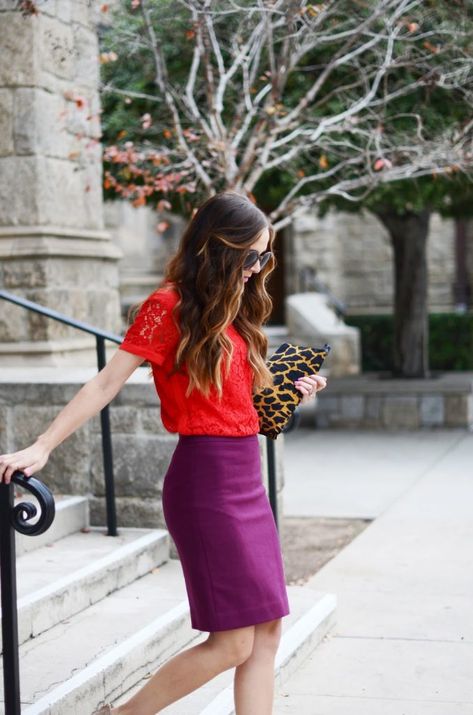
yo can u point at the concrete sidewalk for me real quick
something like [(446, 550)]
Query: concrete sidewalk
[(403, 641)]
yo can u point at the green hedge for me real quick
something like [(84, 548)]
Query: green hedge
[(450, 341)]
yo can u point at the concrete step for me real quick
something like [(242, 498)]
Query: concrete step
[(72, 514), (312, 616), (101, 652), (66, 576)]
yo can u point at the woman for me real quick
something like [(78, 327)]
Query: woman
[(201, 331)]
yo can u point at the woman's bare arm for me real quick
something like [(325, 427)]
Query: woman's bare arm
[(91, 398)]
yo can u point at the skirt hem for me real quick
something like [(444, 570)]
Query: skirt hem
[(240, 621)]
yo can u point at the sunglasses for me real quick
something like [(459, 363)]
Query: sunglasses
[(253, 256)]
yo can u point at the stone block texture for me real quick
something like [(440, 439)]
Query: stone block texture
[(18, 47), (366, 402), (6, 122), (432, 410), (49, 97)]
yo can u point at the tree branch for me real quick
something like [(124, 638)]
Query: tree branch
[(161, 81)]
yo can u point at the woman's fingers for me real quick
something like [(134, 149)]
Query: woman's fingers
[(27, 461), (7, 470), (310, 384)]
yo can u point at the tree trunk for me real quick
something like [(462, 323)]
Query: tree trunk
[(411, 328), (461, 287)]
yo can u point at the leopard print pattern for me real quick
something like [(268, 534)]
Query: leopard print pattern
[(288, 363)]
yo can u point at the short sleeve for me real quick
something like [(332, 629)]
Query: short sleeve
[(153, 330)]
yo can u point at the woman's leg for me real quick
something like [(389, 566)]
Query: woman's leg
[(254, 678), (189, 670)]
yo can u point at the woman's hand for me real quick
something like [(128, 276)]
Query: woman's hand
[(29, 461), (309, 385)]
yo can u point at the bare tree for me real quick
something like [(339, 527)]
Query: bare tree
[(314, 91)]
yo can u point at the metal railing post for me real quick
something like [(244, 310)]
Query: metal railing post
[(293, 423), (16, 518), (107, 450), (11, 664), (272, 488)]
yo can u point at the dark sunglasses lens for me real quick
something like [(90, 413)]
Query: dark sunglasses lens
[(251, 259), (253, 256), (265, 258)]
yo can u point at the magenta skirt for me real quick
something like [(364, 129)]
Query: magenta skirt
[(218, 513)]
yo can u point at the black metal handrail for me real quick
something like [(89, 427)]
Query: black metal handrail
[(60, 317), (292, 424), (100, 337), (15, 518)]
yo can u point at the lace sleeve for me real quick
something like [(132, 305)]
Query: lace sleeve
[(153, 330)]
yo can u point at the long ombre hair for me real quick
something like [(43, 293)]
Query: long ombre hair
[(207, 272)]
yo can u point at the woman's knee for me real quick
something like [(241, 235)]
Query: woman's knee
[(233, 646), (268, 635)]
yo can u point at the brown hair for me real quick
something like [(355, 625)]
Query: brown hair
[(207, 272)]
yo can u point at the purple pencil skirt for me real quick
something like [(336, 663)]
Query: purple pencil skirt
[(218, 513)]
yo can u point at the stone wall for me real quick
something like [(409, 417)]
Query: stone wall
[(142, 448), (371, 402), (352, 255)]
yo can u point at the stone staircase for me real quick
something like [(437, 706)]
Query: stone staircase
[(98, 615)]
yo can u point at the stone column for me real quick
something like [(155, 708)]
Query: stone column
[(53, 247)]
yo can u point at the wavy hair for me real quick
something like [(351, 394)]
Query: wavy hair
[(207, 272)]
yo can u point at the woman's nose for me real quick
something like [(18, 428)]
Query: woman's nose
[(254, 269)]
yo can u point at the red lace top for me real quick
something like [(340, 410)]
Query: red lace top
[(155, 337)]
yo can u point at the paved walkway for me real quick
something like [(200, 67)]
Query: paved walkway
[(403, 641)]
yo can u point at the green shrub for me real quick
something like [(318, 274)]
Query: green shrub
[(450, 341)]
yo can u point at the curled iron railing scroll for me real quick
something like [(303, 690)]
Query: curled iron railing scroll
[(24, 511)]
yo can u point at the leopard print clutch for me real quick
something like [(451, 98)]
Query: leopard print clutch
[(275, 405)]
